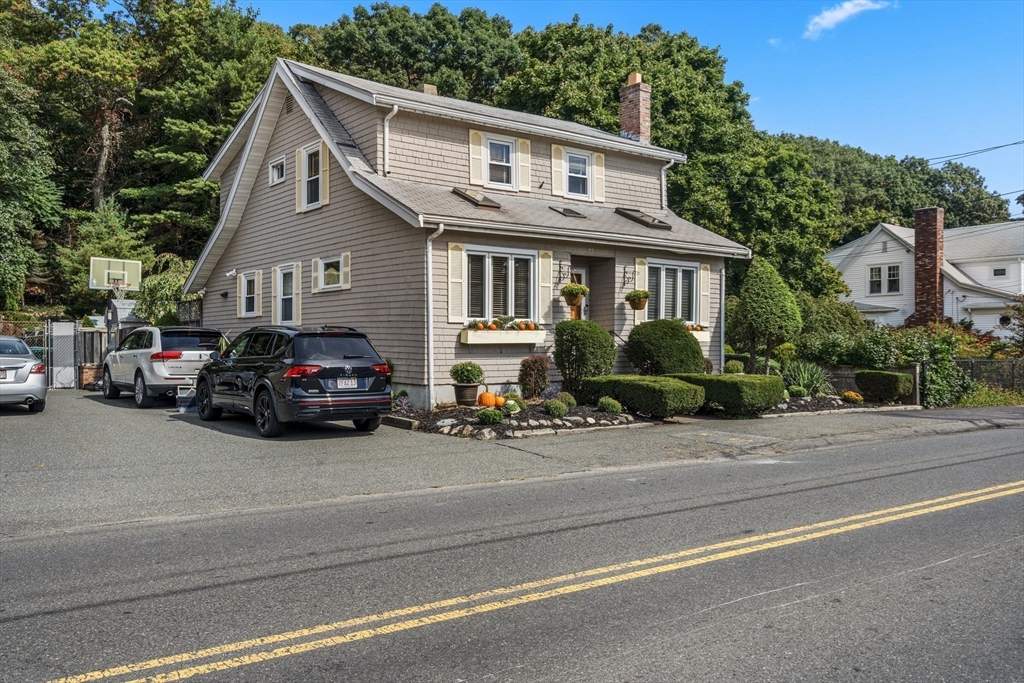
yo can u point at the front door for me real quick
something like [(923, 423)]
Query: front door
[(579, 277)]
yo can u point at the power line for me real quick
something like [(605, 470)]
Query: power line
[(934, 161)]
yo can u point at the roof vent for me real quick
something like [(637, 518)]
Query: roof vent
[(643, 218), (426, 89), (566, 211), (476, 198), (288, 102)]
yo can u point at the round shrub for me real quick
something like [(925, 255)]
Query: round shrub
[(784, 353), (489, 416), (797, 391), (555, 408), (466, 372), (582, 349), (660, 347), (565, 397), (733, 367), (533, 375), (607, 404)]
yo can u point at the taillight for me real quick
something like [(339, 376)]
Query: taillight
[(166, 355), (302, 370), (382, 368), (38, 369)]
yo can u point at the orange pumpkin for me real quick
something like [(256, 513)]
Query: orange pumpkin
[(486, 398), (479, 326), (499, 401), (532, 326), (522, 326), (492, 326)]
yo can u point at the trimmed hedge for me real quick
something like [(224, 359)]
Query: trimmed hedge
[(582, 349), (658, 397), (739, 394), (658, 347), (884, 387), (744, 358)]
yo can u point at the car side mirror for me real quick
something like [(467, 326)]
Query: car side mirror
[(111, 347), (215, 355)]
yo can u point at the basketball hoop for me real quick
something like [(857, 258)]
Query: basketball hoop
[(119, 288)]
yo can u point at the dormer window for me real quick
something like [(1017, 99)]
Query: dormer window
[(578, 175)]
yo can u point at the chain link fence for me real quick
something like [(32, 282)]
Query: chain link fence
[(998, 374)]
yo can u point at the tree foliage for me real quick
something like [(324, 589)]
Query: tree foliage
[(767, 311)]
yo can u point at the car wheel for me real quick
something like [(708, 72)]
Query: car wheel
[(370, 424), (267, 423), (37, 407), (142, 399), (109, 390), (204, 402)]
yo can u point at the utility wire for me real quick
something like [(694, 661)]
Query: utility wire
[(976, 151)]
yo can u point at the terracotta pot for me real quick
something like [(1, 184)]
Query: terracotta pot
[(573, 300), (465, 394), (638, 304)]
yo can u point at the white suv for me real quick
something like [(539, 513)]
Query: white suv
[(155, 361)]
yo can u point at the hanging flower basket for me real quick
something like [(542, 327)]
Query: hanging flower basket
[(638, 304), (573, 293), (637, 299)]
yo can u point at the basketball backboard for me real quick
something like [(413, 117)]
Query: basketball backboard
[(111, 273)]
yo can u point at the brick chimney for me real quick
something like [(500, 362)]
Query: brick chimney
[(635, 109), (928, 256)]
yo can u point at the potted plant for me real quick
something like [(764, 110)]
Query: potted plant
[(573, 293), (637, 299), (467, 376)]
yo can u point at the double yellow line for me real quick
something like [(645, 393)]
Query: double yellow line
[(463, 606)]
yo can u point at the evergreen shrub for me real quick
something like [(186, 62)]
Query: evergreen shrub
[(644, 394), (533, 375), (490, 416), (582, 349), (566, 398), (733, 367), (884, 387), (555, 408), (660, 347), (797, 391), (739, 395), (607, 404)]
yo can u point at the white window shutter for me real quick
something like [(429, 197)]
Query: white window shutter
[(300, 170), (456, 282), (524, 165), (275, 278), (598, 177), (476, 157), (259, 292), (705, 295), (297, 294), (325, 174), (640, 282), (314, 276), (240, 295), (346, 270), (544, 285), (557, 171)]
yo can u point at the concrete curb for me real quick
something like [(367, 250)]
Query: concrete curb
[(888, 409)]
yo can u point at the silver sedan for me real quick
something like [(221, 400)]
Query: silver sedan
[(22, 376)]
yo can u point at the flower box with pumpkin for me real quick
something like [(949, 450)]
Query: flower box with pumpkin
[(503, 330), (573, 293)]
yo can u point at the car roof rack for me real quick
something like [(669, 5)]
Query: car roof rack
[(337, 327)]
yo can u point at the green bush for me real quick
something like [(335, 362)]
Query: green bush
[(566, 398), (884, 387), (744, 358), (660, 347), (810, 376), (797, 391), (739, 395), (607, 404), (466, 372), (942, 382), (555, 408), (827, 349), (784, 353), (582, 349), (644, 394), (733, 367), (873, 350), (533, 375), (490, 416)]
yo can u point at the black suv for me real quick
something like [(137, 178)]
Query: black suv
[(282, 374)]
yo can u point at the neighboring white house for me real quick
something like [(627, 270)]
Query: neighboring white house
[(981, 268)]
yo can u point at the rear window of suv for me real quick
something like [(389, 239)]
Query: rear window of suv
[(332, 347), (184, 340)]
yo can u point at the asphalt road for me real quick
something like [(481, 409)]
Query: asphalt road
[(875, 561)]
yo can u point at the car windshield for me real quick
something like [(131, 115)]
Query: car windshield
[(332, 348), (184, 340), (13, 347)]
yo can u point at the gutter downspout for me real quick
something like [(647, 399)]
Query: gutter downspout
[(431, 402), (721, 315), (387, 143), (664, 183)]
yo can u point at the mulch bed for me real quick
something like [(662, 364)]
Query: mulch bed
[(813, 404)]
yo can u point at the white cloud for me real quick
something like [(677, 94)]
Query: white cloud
[(834, 16), (775, 42)]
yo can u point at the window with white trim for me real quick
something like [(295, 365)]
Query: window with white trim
[(248, 294), (673, 288), (286, 295), (501, 162), (277, 171), (999, 272), (892, 279), (330, 273), (311, 176), (500, 283), (578, 174)]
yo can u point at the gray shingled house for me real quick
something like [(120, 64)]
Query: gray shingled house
[(408, 215)]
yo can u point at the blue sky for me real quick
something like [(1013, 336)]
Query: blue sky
[(907, 77)]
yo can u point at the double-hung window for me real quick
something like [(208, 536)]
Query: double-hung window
[(578, 175), (673, 290), (286, 298), (892, 279), (311, 176), (500, 283), (501, 162), (249, 294)]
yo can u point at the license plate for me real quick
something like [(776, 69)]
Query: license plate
[(343, 383), (3, 374)]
